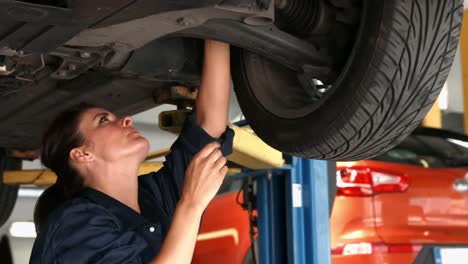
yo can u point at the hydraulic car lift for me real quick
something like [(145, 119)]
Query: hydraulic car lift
[(291, 198), (293, 212)]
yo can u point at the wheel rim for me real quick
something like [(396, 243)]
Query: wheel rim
[(289, 94)]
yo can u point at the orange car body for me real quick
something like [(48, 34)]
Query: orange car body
[(430, 211), (384, 212), (224, 234)]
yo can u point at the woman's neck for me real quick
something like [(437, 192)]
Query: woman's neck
[(119, 181)]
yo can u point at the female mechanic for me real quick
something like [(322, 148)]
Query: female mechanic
[(100, 211)]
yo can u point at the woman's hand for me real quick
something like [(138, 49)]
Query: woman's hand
[(204, 176)]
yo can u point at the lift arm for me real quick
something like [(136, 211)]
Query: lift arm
[(248, 149)]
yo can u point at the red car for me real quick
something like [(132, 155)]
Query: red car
[(410, 202)]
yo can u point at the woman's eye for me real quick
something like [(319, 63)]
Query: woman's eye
[(103, 119)]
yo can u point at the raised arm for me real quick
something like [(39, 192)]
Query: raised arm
[(206, 171), (212, 103)]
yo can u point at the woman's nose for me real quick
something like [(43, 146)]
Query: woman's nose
[(127, 121)]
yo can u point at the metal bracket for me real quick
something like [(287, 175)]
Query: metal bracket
[(176, 95), (7, 68), (77, 61), (259, 12)]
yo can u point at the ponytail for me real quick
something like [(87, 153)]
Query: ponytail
[(59, 139)]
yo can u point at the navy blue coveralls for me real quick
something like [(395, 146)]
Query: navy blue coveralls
[(95, 228)]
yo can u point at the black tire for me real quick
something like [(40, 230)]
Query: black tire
[(400, 60), (8, 194), (5, 251)]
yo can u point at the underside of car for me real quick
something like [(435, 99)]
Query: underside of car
[(327, 79)]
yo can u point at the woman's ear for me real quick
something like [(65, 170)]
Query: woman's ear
[(78, 155)]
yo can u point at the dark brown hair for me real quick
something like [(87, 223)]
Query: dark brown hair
[(59, 139)]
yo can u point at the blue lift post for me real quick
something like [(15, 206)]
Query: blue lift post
[(293, 214)]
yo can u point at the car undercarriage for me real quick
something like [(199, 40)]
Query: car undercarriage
[(120, 54), (316, 78)]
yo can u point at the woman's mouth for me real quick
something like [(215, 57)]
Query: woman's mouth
[(133, 131)]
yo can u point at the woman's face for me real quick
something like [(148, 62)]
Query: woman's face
[(110, 138)]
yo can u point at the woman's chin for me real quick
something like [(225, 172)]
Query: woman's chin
[(144, 147)]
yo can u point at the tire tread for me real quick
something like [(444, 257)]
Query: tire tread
[(399, 109)]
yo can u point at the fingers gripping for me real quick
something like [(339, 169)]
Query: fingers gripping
[(220, 163), (214, 156), (224, 171), (208, 149)]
